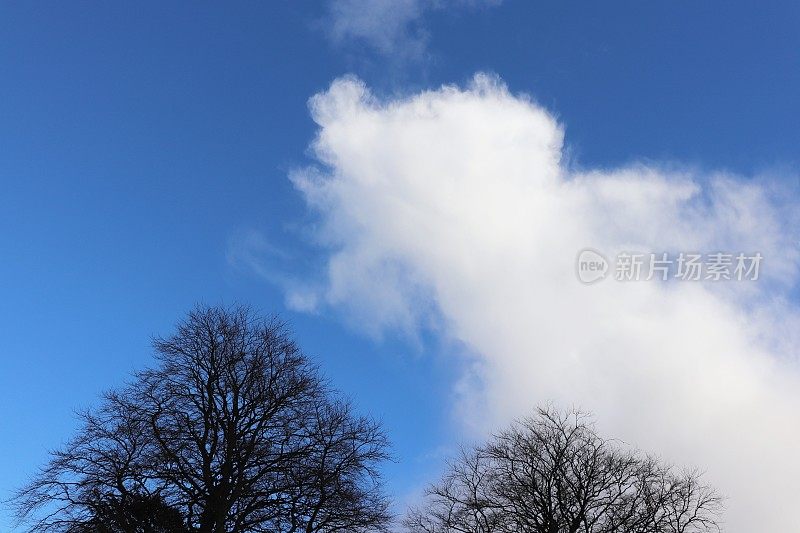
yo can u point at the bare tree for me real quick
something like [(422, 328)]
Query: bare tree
[(233, 431), (552, 473)]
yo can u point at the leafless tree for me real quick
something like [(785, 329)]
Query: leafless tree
[(233, 431), (552, 473)]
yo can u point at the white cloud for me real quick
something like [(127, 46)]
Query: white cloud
[(453, 205), (388, 26)]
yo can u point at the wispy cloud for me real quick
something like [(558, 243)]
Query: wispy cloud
[(454, 205), (389, 27), (248, 250)]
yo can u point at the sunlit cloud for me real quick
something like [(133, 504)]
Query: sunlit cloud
[(453, 207)]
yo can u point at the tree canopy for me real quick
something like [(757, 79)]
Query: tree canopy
[(233, 430), (553, 473)]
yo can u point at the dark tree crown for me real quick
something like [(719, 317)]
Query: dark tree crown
[(552, 473), (234, 430)]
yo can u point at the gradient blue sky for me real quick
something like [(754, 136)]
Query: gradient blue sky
[(137, 140)]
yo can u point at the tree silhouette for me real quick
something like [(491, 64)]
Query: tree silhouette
[(552, 473), (234, 430)]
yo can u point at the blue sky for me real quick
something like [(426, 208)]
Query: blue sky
[(138, 141)]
